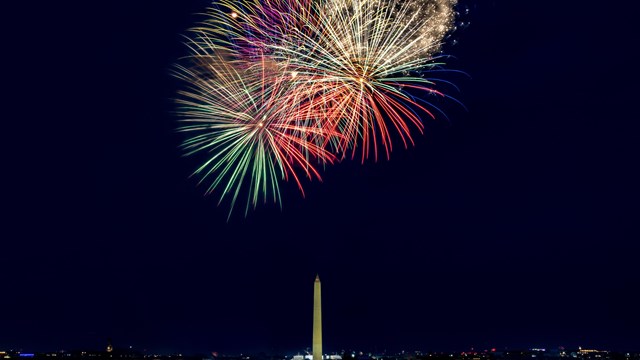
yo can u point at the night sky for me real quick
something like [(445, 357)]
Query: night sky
[(511, 224)]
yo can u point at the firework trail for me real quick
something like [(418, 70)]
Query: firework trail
[(277, 88)]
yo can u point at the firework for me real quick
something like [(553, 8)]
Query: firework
[(277, 88), (360, 61), (254, 27), (364, 58), (245, 119)]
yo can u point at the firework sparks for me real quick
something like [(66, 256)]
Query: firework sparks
[(278, 87), (246, 122), (363, 56)]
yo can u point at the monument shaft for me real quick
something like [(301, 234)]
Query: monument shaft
[(317, 321)]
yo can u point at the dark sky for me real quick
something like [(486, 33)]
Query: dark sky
[(512, 224)]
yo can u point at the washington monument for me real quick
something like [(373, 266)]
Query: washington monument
[(317, 321)]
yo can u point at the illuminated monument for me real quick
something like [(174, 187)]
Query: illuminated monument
[(317, 321)]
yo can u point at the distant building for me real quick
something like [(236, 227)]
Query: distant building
[(317, 321)]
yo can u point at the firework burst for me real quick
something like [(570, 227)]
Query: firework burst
[(363, 58), (277, 88), (247, 122)]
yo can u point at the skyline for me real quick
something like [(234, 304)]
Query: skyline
[(316, 344), (130, 350)]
